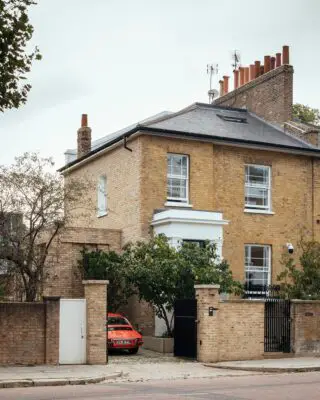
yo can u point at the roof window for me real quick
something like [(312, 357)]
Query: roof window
[(229, 118)]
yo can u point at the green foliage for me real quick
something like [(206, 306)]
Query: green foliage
[(302, 281), (15, 63), (109, 266), (163, 274), (306, 114)]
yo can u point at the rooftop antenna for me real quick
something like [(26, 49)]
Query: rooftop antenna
[(236, 59), (212, 69)]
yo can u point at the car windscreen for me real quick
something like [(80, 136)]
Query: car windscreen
[(117, 321), (119, 328)]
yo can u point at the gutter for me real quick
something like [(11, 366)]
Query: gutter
[(210, 138)]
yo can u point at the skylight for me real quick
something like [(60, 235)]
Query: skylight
[(229, 118)]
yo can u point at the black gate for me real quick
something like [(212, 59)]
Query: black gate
[(277, 325), (185, 328)]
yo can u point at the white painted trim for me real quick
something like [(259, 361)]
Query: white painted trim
[(99, 215), (255, 211), (176, 204)]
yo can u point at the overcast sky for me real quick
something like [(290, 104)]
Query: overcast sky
[(122, 61)]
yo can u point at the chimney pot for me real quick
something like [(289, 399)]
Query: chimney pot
[(84, 137), (257, 68), (221, 88), (225, 84), (272, 62), (285, 55), (252, 72), (84, 120), (241, 69), (261, 69), (278, 60), (236, 78), (246, 75), (267, 63)]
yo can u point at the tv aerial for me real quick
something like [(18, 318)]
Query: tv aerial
[(212, 69), (236, 59)]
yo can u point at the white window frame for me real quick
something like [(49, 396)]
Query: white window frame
[(102, 196), (179, 200), (248, 268), (257, 208)]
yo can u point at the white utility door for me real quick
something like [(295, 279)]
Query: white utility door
[(72, 345)]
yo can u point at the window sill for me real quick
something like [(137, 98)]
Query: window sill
[(249, 211), (100, 215), (177, 204)]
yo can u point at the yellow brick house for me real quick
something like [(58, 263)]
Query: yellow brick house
[(237, 171)]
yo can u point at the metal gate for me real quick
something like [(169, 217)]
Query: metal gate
[(277, 326), (185, 328)]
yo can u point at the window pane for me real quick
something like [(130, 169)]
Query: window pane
[(177, 175), (177, 165), (256, 197), (257, 175), (177, 188), (257, 267)]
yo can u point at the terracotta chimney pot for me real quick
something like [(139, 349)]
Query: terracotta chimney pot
[(257, 68), (252, 72), (84, 120), (246, 75), (236, 78), (278, 60), (272, 62), (261, 69), (226, 84), (267, 63), (221, 88), (241, 69), (285, 55)]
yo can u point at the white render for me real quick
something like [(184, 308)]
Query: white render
[(178, 225)]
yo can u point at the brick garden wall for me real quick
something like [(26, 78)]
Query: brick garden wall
[(305, 332), (29, 333)]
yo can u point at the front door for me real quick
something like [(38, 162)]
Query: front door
[(72, 344)]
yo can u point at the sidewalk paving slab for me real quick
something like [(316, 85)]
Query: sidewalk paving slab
[(295, 364)]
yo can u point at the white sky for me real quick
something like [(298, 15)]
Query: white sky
[(122, 61)]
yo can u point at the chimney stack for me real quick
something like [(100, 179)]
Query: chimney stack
[(225, 84), (285, 55), (236, 78), (84, 137)]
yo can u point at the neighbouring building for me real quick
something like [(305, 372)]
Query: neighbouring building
[(239, 172)]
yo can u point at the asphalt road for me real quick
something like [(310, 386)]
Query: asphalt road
[(304, 386)]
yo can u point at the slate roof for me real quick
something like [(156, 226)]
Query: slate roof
[(206, 120)]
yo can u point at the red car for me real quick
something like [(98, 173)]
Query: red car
[(121, 334)]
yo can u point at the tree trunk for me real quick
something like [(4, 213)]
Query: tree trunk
[(166, 320)]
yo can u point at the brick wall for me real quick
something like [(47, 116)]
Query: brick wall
[(305, 336), (62, 274), (269, 96), (234, 332), (29, 333), (96, 299)]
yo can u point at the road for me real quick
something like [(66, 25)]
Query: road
[(304, 386)]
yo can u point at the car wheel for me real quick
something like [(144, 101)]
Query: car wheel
[(134, 351)]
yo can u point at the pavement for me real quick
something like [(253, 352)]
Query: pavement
[(292, 364), (145, 366)]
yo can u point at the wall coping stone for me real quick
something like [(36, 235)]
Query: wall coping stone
[(243, 301), (95, 282), (207, 286)]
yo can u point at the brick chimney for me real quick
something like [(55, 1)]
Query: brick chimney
[(268, 93), (84, 137)]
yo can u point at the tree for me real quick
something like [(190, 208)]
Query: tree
[(163, 274), (109, 266), (306, 114), (302, 280), (15, 63), (32, 198)]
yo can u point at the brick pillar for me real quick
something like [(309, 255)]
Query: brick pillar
[(208, 325), (95, 293), (52, 327)]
